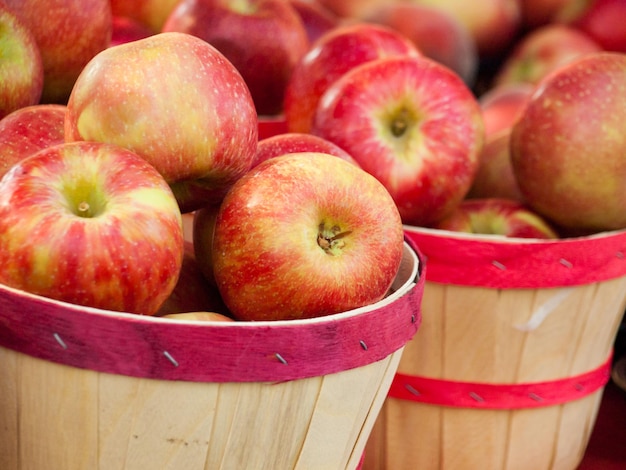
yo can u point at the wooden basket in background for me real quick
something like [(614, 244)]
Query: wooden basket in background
[(83, 388), (510, 362)]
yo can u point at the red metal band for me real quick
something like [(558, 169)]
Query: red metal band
[(499, 396)]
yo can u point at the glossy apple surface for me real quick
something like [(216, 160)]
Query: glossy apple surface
[(414, 125), (21, 72), (497, 216), (568, 146), (175, 100), (28, 130), (305, 235), (263, 39), (91, 224), (332, 55)]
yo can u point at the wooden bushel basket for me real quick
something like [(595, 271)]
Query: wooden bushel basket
[(512, 356), (87, 389)]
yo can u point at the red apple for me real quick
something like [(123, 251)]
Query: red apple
[(293, 142), (263, 39), (495, 177), (493, 24), (537, 13), (352, 9), (21, 68), (543, 50), (28, 130), (435, 32), (316, 18), (305, 235), (502, 105), (90, 224), (149, 13), (126, 30), (69, 33), (568, 146), (332, 55), (175, 100), (192, 293), (602, 20), (413, 124), (497, 216)]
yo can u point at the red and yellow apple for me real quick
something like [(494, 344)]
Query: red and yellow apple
[(178, 102), (316, 18), (152, 14), (126, 29), (91, 224), (21, 69), (305, 235), (332, 55), (568, 148), (263, 39), (198, 316), (501, 106), (543, 50), (497, 216), (414, 125), (68, 33), (29, 129)]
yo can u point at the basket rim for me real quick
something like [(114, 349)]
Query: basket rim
[(268, 351)]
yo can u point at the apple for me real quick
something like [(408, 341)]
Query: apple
[(543, 50), (149, 13), (537, 13), (126, 29), (305, 235), (21, 73), (203, 229), (497, 216), (316, 18), (178, 102), (332, 55), (501, 105), (414, 125), (568, 146), (91, 224), (493, 24), (192, 293), (495, 177), (293, 142), (352, 9), (29, 129), (69, 33), (435, 32), (602, 20), (263, 39)]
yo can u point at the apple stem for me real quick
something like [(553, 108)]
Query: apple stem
[(331, 242), (83, 209)]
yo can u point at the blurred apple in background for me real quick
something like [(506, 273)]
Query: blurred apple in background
[(316, 18), (292, 142), (91, 224), (198, 316), (537, 13), (497, 216), (543, 50), (178, 102), (21, 69), (332, 55), (28, 130), (353, 9), (126, 30), (602, 20), (435, 32), (305, 235), (502, 105), (69, 33), (495, 177), (263, 39), (568, 148), (413, 124), (193, 292), (149, 13), (493, 24)]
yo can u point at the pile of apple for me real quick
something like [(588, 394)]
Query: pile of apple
[(119, 116)]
